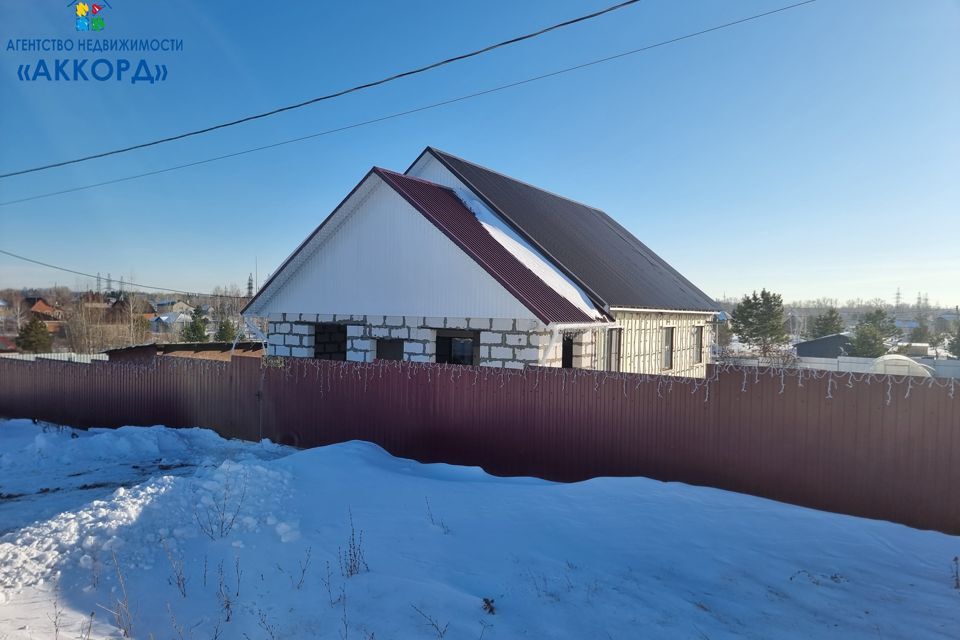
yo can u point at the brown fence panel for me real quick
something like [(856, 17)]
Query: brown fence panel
[(873, 446)]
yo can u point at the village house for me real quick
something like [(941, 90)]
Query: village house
[(451, 262)]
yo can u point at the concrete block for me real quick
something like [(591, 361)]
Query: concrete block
[(413, 347), (457, 323), (302, 329), (361, 344), (512, 364), (380, 332), (356, 356), (495, 364), (436, 323), (291, 339), (491, 337), (275, 317), (307, 341), (281, 351), (325, 317), (479, 323), (308, 317), (393, 321), (430, 348), (516, 339), (355, 330), (502, 324), (284, 328), (275, 339), (484, 351), (530, 354), (501, 352), (413, 321), (419, 358), (402, 332), (421, 334), (375, 320), (301, 352)]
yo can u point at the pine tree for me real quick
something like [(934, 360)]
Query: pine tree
[(758, 321), (226, 331), (827, 323), (921, 333), (867, 341), (196, 331), (34, 337), (879, 319)]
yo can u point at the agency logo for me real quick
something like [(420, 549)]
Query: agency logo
[(89, 15)]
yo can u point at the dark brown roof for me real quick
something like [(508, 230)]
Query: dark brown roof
[(447, 212), (612, 265)]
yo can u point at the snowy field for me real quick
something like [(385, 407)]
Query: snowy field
[(180, 534)]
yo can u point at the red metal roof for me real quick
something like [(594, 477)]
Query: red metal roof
[(447, 212)]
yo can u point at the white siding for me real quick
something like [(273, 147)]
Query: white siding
[(379, 255), (641, 350)]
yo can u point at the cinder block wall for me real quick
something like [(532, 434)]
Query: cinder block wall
[(504, 342)]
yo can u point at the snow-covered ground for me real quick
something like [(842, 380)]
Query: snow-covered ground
[(181, 534)]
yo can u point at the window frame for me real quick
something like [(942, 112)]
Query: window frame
[(698, 344), (669, 346), (614, 349), (392, 342), (457, 334)]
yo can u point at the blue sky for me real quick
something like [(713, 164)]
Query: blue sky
[(814, 152)]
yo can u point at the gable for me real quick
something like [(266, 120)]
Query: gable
[(377, 255), (603, 257)]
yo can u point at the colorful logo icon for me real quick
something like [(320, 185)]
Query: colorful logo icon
[(89, 15)]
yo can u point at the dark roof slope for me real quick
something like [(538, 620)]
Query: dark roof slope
[(447, 212), (590, 246)]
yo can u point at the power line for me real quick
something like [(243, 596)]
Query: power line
[(131, 284), (330, 96), (409, 111)]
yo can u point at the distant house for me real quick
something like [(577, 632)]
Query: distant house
[(7, 345), (451, 262), (832, 346), (50, 316), (169, 323), (172, 306)]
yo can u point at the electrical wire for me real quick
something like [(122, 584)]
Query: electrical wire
[(329, 96), (131, 284), (411, 111)]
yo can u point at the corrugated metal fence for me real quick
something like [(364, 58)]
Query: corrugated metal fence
[(873, 446)]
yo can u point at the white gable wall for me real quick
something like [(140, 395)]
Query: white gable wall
[(379, 255)]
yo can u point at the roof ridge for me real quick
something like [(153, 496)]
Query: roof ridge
[(517, 180)]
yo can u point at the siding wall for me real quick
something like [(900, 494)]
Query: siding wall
[(641, 349)]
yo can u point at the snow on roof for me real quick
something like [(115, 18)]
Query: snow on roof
[(528, 255)]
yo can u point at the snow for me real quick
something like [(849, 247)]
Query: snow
[(607, 558), (528, 255)]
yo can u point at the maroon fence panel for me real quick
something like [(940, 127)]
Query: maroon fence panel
[(874, 446)]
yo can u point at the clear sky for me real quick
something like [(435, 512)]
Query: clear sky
[(815, 152)]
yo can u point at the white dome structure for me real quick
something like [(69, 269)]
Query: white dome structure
[(898, 365)]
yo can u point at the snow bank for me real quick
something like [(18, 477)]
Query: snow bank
[(268, 540)]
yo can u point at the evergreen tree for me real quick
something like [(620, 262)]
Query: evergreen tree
[(196, 331), (921, 333), (883, 323), (226, 331), (758, 321), (867, 341), (34, 337), (826, 324)]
